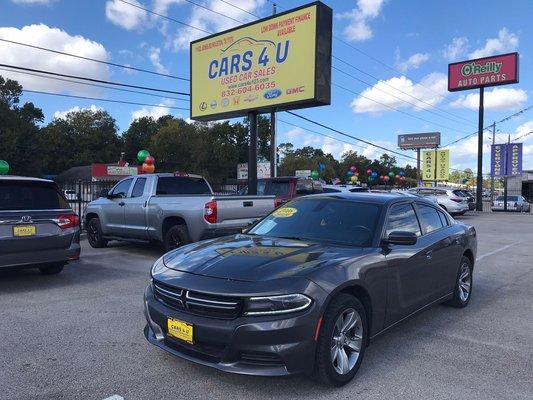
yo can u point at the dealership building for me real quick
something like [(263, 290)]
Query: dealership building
[(522, 184)]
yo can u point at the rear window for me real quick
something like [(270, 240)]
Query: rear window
[(30, 195), (173, 185), (276, 188)]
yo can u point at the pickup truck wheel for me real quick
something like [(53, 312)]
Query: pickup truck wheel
[(94, 234), (176, 236)]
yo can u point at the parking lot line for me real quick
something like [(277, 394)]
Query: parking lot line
[(490, 253)]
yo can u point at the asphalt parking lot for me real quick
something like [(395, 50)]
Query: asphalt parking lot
[(78, 335)]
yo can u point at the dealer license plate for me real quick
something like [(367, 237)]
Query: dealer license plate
[(180, 330), (24, 230)]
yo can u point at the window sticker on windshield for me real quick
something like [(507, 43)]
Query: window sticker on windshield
[(285, 212), (265, 227)]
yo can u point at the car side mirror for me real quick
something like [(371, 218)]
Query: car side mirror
[(104, 193), (401, 237)]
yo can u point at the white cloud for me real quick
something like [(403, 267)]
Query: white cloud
[(505, 42), (63, 114), (46, 2), (154, 55), (211, 22), (456, 49), (125, 15), (154, 112), (431, 90), (412, 62), (53, 38), (358, 28), (496, 99)]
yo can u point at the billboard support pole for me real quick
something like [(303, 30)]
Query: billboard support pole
[(479, 188), (252, 153), (435, 171), (273, 146), (418, 167)]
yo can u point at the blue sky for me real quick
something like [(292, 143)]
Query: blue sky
[(413, 41)]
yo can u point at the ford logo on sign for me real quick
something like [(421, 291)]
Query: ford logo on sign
[(272, 94)]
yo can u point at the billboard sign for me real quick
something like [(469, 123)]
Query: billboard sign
[(436, 162), (506, 159), (281, 62), (482, 72), (419, 140)]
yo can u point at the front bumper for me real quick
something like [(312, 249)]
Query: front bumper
[(263, 346)]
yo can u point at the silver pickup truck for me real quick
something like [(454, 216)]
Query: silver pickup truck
[(174, 209)]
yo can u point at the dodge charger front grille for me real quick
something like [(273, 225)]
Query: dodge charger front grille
[(198, 303)]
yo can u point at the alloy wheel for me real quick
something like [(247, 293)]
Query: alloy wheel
[(346, 341), (92, 232), (464, 282)]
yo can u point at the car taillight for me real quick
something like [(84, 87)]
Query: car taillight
[(210, 212), (65, 221)]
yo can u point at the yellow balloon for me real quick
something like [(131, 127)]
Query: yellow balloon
[(353, 178)]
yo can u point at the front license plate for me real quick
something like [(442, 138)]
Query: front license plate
[(24, 230), (180, 330)]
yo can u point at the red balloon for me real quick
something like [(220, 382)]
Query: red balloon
[(368, 171), (381, 177), (149, 160), (386, 178), (397, 176), (402, 178), (148, 168), (353, 168)]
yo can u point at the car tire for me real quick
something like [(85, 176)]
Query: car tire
[(333, 355), (175, 237), (463, 285), (94, 234), (51, 269)]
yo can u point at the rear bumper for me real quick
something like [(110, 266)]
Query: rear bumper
[(249, 346)]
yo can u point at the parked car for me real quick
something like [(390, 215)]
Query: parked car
[(37, 226), (470, 198), (286, 188), (514, 203), (344, 189), (449, 201), (174, 209), (307, 288)]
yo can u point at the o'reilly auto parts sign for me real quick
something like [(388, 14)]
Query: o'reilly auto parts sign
[(419, 140), (481, 72)]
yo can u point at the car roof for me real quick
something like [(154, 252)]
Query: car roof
[(378, 198), (23, 178)]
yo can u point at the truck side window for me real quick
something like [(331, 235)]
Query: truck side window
[(121, 190), (138, 188)]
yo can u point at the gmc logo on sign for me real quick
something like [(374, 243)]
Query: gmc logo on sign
[(294, 90)]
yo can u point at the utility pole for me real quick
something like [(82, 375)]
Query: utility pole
[(273, 145)]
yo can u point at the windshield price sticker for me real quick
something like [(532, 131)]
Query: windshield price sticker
[(285, 212)]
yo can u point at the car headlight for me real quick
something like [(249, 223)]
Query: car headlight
[(159, 266), (271, 305)]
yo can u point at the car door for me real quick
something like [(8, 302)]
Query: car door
[(410, 280), (440, 249), (113, 208), (135, 211)]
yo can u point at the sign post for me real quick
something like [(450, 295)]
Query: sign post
[(480, 73), (278, 63)]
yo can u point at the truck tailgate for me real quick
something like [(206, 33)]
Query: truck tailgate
[(238, 209)]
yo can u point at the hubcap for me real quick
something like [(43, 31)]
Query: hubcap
[(465, 282), (92, 233), (346, 341)]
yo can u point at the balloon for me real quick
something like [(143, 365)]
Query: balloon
[(381, 177), (391, 174), (356, 173), (402, 173), (353, 168), (386, 178), (349, 173), (314, 174), (397, 176), (4, 167), (353, 178), (149, 160), (374, 174), (148, 168), (142, 154), (368, 171), (402, 178)]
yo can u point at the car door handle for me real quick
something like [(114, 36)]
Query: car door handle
[(429, 254), (121, 204)]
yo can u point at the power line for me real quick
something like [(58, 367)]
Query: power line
[(214, 11), (522, 136), (94, 80), (93, 84), (239, 8), (106, 100), (95, 60), (164, 16)]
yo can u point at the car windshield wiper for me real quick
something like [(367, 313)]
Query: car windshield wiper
[(292, 237)]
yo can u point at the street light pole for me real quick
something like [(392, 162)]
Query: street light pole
[(479, 189)]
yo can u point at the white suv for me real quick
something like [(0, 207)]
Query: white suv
[(446, 198)]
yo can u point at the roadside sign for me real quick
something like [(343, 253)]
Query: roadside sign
[(263, 170), (419, 140), (483, 72), (506, 159), (436, 165), (302, 173), (277, 63)]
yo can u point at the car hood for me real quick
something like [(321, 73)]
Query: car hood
[(256, 258)]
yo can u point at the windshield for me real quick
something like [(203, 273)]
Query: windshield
[(322, 219)]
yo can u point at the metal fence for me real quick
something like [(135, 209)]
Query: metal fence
[(80, 193)]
